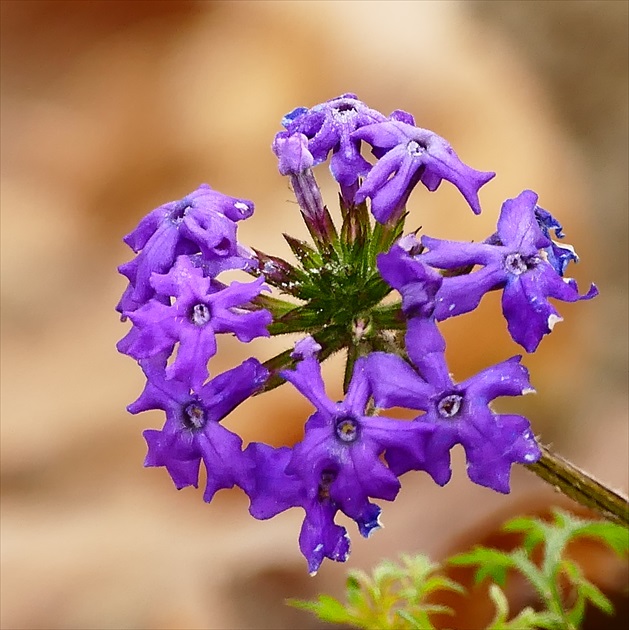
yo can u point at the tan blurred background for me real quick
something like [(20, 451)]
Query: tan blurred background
[(112, 108)]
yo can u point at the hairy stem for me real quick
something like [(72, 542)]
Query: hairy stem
[(581, 487)]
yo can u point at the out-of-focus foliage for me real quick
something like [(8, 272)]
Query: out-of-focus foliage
[(397, 596)]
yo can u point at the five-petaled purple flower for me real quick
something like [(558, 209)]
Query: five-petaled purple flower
[(408, 155), (342, 445), (457, 413), (275, 491), (515, 259), (198, 313), (192, 431)]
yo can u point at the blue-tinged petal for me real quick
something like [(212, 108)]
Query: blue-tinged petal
[(358, 391), (425, 346), (223, 458), (453, 254), (528, 313), (272, 490)]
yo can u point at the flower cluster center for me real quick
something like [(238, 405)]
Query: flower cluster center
[(194, 416), (347, 428), (449, 405)]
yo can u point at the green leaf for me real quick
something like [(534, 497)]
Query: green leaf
[(593, 594), (616, 536), (417, 621), (327, 608), (492, 563)]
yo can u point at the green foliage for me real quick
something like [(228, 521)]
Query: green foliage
[(395, 596)]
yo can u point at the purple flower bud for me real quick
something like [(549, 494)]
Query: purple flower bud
[(292, 152)]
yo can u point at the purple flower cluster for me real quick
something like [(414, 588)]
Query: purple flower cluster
[(349, 455), (177, 307), (406, 154)]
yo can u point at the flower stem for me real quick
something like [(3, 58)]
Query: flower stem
[(581, 487)]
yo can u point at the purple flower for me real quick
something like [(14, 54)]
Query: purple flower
[(274, 491), (328, 127), (198, 313), (342, 446), (203, 221), (514, 260), (192, 431), (408, 155), (458, 414)]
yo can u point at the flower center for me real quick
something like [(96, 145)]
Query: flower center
[(449, 405), (414, 148), (344, 112), (180, 211), (193, 416), (517, 264), (200, 314), (327, 477), (347, 429)]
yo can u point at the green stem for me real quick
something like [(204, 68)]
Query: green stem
[(581, 487)]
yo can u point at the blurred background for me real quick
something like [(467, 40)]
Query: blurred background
[(112, 108)]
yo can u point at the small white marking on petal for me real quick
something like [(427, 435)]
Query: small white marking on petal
[(318, 548), (528, 390), (529, 457), (553, 319), (451, 307), (243, 207)]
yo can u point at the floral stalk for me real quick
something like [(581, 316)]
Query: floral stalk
[(581, 486)]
